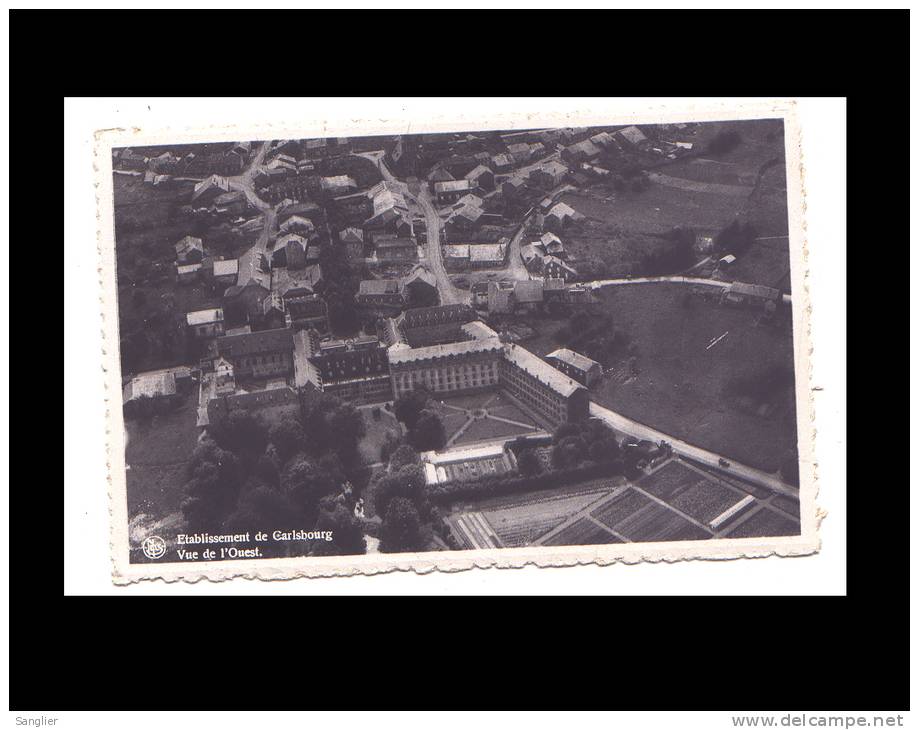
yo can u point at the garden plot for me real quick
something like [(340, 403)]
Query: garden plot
[(766, 523), (583, 532)]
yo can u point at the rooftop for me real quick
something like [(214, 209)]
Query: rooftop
[(399, 354), (541, 370), (255, 343), (204, 316), (575, 359)]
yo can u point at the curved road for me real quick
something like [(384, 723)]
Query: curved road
[(630, 427), (671, 279)]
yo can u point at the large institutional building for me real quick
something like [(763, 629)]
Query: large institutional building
[(478, 360)]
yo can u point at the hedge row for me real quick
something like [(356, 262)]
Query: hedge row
[(511, 484)]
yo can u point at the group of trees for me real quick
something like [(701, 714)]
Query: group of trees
[(736, 238), (590, 440), (594, 335), (425, 430), (676, 255), (247, 476)]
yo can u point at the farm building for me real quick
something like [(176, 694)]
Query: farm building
[(575, 365), (380, 295), (207, 191), (462, 220), (484, 256), (549, 175), (456, 256), (158, 385), (338, 185), (188, 273), (226, 271), (559, 216), (190, 250), (752, 295), (580, 152), (502, 163), (396, 249), (205, 322), (633, 136), (501, 297), (353, 241), (450, 191), (482, 178)]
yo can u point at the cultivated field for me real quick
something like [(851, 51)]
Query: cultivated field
[(766, 522), (520, 525), (683, 388), (583, 532)]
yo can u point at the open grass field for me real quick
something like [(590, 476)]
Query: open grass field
[(766, 523), (659, 209), (489, 428), (765, 262), (156, 455), (682, 388), (583, 532), (375, 433)]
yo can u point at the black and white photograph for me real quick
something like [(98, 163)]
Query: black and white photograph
[(450, 341)]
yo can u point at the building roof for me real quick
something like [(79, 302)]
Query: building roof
[(439, 174), (188, 244), (575, 359), (204, 316), (632, 134), (487, 252), (226, 267), (528, 291), (254, 343), (400, 354), (285, 281), (470, 212), (395, 242), (214, 181), (476, 172), (469, 199), (452, 186), (188, 268), (602, 139), (478, 330), (548, 238), (378, 286), (419, 273), (297, 221), (351, 235), (152, 385), (541, 370), (456, 251), (561, 210), (337, 181), (424, 316), (502, 159), (289, 238)]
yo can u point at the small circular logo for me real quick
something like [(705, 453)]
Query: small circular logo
[(154, 547)]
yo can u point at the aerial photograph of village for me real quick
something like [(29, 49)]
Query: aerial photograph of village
[(458, 341)]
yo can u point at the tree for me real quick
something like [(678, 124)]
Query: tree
[(330, 425), (736, 238), (401, 528), (568, 452), (407, 482), (346, 532), (428, 432), (287, 436), (240, 431), (408, 406), (404, 455), (724, 142), (304, 484), (212, 488), (528, 463)]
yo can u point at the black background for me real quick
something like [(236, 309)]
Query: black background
[(852, 652)]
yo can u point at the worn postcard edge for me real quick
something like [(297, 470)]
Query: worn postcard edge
[(807, 543)]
